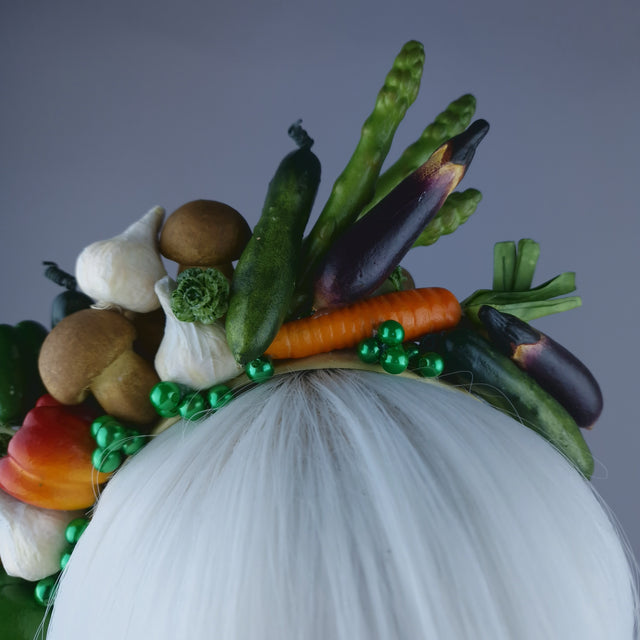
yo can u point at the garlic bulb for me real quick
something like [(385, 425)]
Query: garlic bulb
[(122, 271), (31, 539), (192, 353)]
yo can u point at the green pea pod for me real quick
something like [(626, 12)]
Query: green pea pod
[(20, 383), (20, 615)]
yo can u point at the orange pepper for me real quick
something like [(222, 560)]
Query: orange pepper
[(48, 463)]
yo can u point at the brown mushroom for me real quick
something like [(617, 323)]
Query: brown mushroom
[(91, 351), (204, 233)]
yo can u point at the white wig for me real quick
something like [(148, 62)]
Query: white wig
[(348, 505)]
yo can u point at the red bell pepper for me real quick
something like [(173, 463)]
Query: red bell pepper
[(49, 458)]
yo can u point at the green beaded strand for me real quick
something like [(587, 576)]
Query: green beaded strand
[(166, 397), (218, 396), (430, 364), (192, 405), (394, 359), (260, 369), (45, 590)]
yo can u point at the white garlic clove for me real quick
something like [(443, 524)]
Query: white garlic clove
[(192, 353), (31, 538), (123, 270)]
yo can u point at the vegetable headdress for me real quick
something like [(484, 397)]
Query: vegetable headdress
[(247, 304)]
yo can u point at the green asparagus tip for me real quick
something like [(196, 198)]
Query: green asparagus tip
[(300, 136)]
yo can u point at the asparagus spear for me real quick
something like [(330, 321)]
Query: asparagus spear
[(355, 185), (452, 121), (456, 210)]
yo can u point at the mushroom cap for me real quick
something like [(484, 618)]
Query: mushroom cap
[(78, 348), (203, 233)]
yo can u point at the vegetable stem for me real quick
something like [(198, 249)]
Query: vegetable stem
[(300, 136), (54, 273)]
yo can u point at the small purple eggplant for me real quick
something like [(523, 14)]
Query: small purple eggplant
[(552, 366), (362, 258)]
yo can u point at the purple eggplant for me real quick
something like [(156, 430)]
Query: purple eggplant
[(552, 366), (362, 258)]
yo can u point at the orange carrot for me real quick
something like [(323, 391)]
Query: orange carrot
[(419, 311)]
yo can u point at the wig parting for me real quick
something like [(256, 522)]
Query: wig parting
[(348, 505)]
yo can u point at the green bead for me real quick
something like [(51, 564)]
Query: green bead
[(64, 559), (100, 422), (391, 333), (45, 590), (191, 406), (219, 395), (413, 352), (430, 364), (111, 436), (106, 461), (166, 398), (75, 529), (133, 442), (260, 369), (394, 359), (369, 350)]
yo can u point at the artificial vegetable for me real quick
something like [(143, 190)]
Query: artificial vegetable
[(204, 233), (447, 124), (513, 270), (31, 538), (70, 300), (552, 366), (201, 295), (355, 186), (49, 460), (472, 363), (265, 276), (455, 211), (122, 270), (419, 311), (20, 383), (21, 616), (192, 353), (368, 251), (91, 351)]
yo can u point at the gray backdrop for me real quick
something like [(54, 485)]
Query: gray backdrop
[(109, 108)]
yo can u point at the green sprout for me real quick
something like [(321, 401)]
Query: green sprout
[(202, 295)]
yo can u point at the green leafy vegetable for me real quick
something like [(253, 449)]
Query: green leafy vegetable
[(452, 121), (455, 211), (355, 186), (515, 267), (21, 617), (202, 295)]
